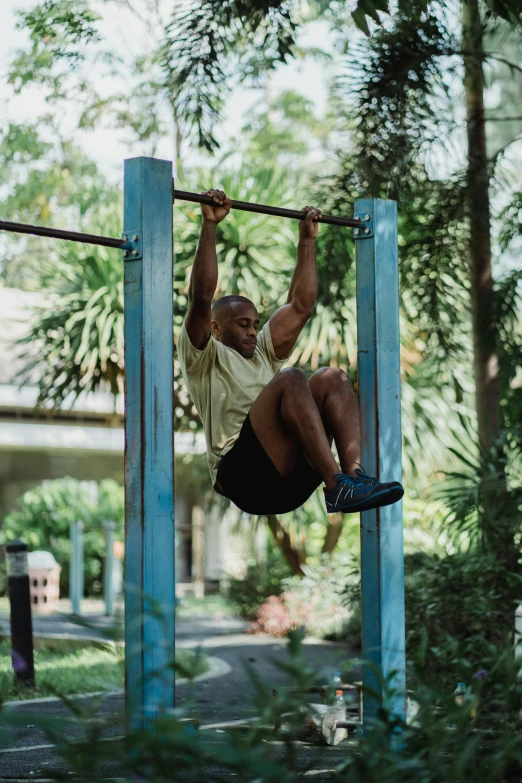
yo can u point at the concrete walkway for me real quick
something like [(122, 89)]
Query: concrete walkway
[(28, 753), (96, 626)]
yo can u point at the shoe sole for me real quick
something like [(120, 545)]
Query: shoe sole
[(393, 495)]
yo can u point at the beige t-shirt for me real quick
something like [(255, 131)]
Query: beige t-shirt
[(224, 385)]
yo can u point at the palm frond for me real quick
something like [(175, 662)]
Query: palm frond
[(198, 54), (483, 499), (392, 85)]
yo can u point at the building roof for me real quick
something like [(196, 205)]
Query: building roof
[(16, 308), (20, 430), (17, 312)]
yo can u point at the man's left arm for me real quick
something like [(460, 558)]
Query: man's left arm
[(287, 322)]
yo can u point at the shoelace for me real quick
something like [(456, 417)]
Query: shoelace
[(361, 479), (349, 483)]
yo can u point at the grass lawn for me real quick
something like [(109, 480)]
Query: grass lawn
[(65, 666), (211, 606)]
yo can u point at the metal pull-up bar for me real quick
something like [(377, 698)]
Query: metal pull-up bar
[(181, 195), (263, 209), (58, 233)]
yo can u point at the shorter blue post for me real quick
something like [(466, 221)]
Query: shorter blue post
[(108, 587), (382, 556), (76, 575)]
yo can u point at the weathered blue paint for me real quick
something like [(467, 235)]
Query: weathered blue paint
[(382, 558), (149, 463)]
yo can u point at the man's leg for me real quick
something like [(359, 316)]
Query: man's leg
[(337, 402), (286, 414)]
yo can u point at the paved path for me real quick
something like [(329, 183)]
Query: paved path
[(96, 626), (28, 730)]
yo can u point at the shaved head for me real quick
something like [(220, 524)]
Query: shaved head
[(220, 306), (234, 322)]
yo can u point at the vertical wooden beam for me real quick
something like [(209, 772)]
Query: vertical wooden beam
[(198, 551), (76, 573), (382, 557), (108, 586), (149, 435)]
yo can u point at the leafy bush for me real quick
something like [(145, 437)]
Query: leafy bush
[(261, 580), (273, 617), (469, 597), (46, 513), (319, 600)]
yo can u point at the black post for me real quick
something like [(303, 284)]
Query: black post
[(21, 623)]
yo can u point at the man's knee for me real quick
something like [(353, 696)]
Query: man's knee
[(291, 377), (327, 378)]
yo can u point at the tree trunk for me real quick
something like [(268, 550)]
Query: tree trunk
[(498, 529), (484, 322), (333, 533), (294, 557)]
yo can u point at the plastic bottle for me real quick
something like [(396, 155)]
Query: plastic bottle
[(335, 683), (336, 712), (339, 697), (463, 697), (460, 693)]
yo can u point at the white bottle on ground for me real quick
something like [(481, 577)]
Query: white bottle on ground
[(336, 712)]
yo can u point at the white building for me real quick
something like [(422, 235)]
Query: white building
[(85, 440)]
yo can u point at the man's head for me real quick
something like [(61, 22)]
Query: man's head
[(235, 324)]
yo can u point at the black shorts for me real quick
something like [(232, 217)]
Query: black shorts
[(247, 476)]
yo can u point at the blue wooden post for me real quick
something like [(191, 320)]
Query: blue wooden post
[(76, 573), (149, 436), (382, 558), (108, 590)]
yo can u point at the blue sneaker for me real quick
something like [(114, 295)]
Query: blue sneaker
[(360, 493)]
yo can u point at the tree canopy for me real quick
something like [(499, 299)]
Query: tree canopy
[(412, 86)]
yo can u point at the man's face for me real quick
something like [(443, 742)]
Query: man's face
[(237, 328)]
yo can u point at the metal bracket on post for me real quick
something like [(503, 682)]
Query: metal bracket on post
[(132, 250), (367, 228)]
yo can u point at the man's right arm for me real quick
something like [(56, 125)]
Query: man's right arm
[(204, 276)]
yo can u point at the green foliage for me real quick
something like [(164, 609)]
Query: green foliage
[(76, 343), (58, 31), (200, 44), (43, 178), (44, 182), (318, 600), (283, 130), (478, 741), (457, 606), (261, 579), (484, 497), (46, 513), (470, 597), (64, 666), (393, 79)]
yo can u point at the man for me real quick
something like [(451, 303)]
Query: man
[(269, 431)]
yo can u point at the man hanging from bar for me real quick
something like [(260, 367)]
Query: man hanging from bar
[(269, 431)]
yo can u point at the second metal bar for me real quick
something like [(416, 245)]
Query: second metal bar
[(59, 233), (263, 209)]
